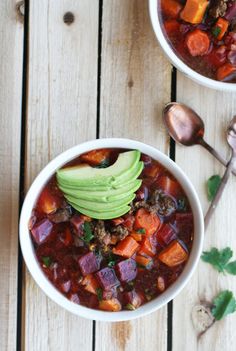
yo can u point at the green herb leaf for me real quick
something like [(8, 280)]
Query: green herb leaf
[(130, 307), (218, 258), (104, 164), (213, 184), (88, 234), (112, 260), (141, 231), (216, 31), (224, 304), (111, 264), (99, 293), (46, 261), (231, 268)]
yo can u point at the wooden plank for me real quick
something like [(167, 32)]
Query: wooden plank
[(216, 109), (135, 83), (11, 61), (61, 113)]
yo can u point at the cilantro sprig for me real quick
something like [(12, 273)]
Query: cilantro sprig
[(219, 259), (224, 304), (88, 234)]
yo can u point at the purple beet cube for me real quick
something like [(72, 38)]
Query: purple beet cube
[(41, 231), (89, 263), (107, 278), (126, 270)]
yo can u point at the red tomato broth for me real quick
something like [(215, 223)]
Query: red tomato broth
[(62, 252), (218, 24)]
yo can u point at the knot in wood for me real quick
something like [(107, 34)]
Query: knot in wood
[(20, 10), (68, 18)]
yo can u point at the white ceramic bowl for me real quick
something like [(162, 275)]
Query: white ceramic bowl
[(28, 250), (177, 62)]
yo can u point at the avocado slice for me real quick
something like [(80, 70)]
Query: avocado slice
[(103, 215), (103, 196), (125, 181), (101, 206), (85, 175)]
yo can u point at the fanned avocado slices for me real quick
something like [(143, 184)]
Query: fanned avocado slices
[(102, 193), (129, 178), (103, 196), (103, 215), (85, 175), (101, 206)]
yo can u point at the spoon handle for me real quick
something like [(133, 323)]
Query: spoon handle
[(219, 192), (216, 154)]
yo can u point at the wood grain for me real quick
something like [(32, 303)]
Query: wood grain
[(11, 58), (216, 109), (62, 94), (135, 83)]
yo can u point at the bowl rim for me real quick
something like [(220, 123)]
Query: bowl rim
[(27, 245), (176, 61)]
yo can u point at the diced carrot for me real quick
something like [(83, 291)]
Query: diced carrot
[(194, 11), (90, 284), (143, 261), (147, 248), (112, 305), (95, 157), (173, 255), (171, 27), (148, 221), (47, 202), (224, 72), (126, 248), (197, 42), (171, 8), (136, 236), (220, 28), (169, 185)]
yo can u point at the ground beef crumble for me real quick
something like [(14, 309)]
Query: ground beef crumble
[(218, 8)]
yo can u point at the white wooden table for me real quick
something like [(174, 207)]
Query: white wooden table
[(98, 72)]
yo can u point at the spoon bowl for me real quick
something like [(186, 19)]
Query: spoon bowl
[(183, 124), (186, 127)]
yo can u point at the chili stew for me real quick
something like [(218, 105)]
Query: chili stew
[(203, 35), (120, 263)]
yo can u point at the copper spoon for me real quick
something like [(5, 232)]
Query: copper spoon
[(186, 127), (231, 138)]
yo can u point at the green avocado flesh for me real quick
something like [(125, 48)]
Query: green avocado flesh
[(85, 175), (103, 215), (100, 206), (100, 187), (102, 193), (103, 196)]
